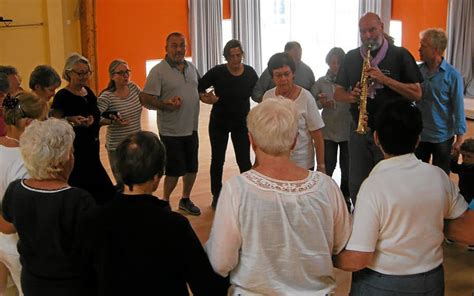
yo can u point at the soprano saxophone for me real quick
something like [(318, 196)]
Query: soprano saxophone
[(364, 82)]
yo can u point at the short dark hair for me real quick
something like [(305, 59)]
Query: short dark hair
[(337, 52), (233, 43), (4, 83), (44, 76), (398, 126), (140, 157), (291, 44), (174, 34), (9, 70), (468, 146), (279, 60)]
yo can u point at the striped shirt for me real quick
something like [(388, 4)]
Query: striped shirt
[(129, 108)]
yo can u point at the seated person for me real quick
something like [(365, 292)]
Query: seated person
[(277, 225), (401, 209), (137, 244)]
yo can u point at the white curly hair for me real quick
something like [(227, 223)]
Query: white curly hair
[(45, 146)]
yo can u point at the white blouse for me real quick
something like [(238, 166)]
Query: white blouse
[(11, 168), (277, 237), (309, 120)]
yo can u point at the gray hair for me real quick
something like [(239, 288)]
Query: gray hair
[(45, 146), (291, 44), (273, 125), (337, 52), (71, 61), (438, 38)]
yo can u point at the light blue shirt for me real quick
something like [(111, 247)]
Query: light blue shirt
[(442, 104)]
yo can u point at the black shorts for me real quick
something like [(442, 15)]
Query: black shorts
[(181, 154)]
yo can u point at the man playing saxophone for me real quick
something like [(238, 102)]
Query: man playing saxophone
[(391, 75)]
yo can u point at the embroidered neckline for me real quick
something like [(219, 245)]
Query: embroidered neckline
[(267, 183)]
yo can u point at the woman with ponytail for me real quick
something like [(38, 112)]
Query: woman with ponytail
[(121, 110)]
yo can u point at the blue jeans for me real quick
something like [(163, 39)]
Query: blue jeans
[(367, 282), (441, 153), (363, 156), (330, 158)]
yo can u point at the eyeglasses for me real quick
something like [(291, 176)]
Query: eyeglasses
[(82, 74), (123, 73)]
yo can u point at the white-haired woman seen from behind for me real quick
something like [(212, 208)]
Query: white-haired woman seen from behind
[(19, 112), (46, 212), (277, 225)]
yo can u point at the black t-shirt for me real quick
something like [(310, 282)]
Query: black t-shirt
[(47, 222), (398, 64), (233, 91), (86, 142), (88, 172), (140, 247), (466, 178)]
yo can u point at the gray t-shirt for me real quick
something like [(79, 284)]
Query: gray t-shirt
[(337, 119), (165, 82)]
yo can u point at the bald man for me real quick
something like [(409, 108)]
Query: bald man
[(393, 75)]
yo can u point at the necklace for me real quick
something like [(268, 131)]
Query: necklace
[(288, 93), (13, 139)]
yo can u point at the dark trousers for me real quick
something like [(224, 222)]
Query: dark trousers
[(330, 158), (441, 153), (219, 129), (371, 283), (364, 155)]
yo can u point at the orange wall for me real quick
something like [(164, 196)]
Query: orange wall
[(226, 9), (136, 31), (416, 16)]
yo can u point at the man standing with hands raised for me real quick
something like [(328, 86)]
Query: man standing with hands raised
[(171, 88)]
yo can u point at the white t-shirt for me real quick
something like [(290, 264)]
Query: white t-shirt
[(399, 215), (277, 237), (11, 168), (309, 120)]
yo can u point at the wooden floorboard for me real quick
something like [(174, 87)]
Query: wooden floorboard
[(459, 263)]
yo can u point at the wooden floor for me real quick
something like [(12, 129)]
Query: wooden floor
[(459, 263)]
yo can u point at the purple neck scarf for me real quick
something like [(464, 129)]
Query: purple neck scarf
[(374, 62)]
